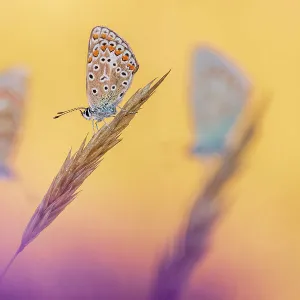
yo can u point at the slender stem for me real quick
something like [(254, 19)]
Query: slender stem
[(9, 264)]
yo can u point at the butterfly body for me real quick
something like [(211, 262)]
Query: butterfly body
[(98, 114), (111, 65)]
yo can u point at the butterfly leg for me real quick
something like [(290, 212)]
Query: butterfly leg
[(122, 109), (97, 125), (93, 125)]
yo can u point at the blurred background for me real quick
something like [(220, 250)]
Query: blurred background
[(133, 204)]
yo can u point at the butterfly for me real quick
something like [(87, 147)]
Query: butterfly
[(13, 86), (111, 65), (219, 94)]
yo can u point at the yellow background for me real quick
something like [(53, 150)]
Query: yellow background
[(134, 203)]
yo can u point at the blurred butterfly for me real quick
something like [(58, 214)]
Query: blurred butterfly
[(111, 65), (219, 94), (12, 94)]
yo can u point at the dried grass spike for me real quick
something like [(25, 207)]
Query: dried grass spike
[(174, 269), (77, 167)]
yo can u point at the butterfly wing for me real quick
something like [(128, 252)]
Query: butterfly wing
[(111, 65), (219, 94), (12, 94)]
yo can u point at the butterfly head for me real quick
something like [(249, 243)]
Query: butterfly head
[(87, 113)]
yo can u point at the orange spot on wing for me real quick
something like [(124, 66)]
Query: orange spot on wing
[(95, 36), (96, 53), (111, 48), (90, 59), (125, 58), (118, 52), (103, 35), (103, 48), (131, 67)]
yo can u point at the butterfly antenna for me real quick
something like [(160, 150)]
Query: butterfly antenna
[(61, 113)]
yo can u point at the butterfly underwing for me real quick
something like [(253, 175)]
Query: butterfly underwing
[(13, 86), (111, 65), (219, 94)]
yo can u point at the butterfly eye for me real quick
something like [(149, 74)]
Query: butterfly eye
[(125, 83), (113, 87), (94, 91), (124, 74), (105, 87), (87, 113), (91, 76), (118, 70), (96, 67), (102, 60)]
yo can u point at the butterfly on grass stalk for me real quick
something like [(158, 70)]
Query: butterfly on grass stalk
[(111, 65), (219, 94)]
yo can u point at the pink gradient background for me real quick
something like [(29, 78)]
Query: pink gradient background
[(106, 244)]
